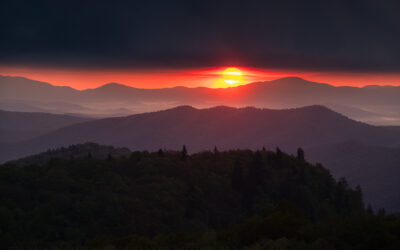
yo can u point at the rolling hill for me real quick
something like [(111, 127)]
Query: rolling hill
[(375, 168), (21, 126), (318, 130), (372, 104), (224, 127), (162, 197)]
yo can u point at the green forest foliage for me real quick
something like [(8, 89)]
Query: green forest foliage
[(234, 199)]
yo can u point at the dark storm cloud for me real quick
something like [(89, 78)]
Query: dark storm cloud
[(328, 35)]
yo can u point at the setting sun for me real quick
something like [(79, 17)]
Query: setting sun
[(232, 76)]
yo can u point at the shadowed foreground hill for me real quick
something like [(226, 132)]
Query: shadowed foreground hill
[(247, 197)]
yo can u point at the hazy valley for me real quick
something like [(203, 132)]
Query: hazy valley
[(377, 105)]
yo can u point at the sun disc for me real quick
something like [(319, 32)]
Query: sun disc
[(232, 76)]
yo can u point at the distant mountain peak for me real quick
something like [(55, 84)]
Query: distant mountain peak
[(297, 82), (222, 107), (292, 78), (184, 108), (24, 81), (317, 107), (113, 85)]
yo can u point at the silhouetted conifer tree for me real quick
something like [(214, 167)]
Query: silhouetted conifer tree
[(248, 203), (343, 183), (109, 157), (216, 150), (193, 202), (160, 153), (278, 152), (256, 171), (237, 177), (253, 182), (136, 156), (359, 191), (381, 212), (300, 154), (279, 156), (216, 153), (369, 209), (184, 152)]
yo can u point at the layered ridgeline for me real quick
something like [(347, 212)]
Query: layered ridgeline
[(21, 126), (225, 127), (366, 155), (372, 104), (101, 196)]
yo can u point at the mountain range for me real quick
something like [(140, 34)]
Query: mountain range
[(377, 105), (21, 126), (364, 154)]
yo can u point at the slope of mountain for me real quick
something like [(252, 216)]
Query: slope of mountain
[(21, 126), (225, 127), (376, 169), (71, 202), (315, 128), (231, 128), (377, 105), (79, 151), (20, 88)]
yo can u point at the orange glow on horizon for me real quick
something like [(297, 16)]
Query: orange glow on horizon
[(218, 77)]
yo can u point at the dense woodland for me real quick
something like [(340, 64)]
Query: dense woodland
[(89, 195)]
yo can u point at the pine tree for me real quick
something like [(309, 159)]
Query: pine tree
[(237, 177), (216, 150), (369, 209), (279, 156), (300, 154), (278, 152), (381, 212), (256, 172), (184, 152)]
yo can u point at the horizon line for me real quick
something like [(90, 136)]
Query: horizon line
[(198, 87)]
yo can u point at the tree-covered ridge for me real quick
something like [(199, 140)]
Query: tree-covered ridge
[(84, 150), (84, 200)]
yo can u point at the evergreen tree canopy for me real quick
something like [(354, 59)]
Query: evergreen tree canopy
[(243, 195)]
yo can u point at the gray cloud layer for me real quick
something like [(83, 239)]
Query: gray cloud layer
[(323, 35)]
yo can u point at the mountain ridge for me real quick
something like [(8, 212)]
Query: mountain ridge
[(317, 129), (314, 120), (21, 126), (376, 106)]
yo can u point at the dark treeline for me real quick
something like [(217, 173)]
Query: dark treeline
[(237, 198)]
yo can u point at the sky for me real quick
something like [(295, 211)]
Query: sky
[(155, 44)]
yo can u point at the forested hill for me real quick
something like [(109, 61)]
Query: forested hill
[(127, 200), (88, 149)]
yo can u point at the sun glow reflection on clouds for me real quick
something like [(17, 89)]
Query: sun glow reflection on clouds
[(203, 77)]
